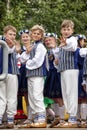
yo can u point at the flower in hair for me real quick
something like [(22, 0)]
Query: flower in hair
[(51, 35), (80, 36), (23, 31)]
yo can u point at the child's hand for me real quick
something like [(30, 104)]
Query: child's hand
[(56, 61), (10, 43), (17, 46), (29, 48), (52, 45), (51, 57), (24, 62), (62, 41), (84, 87)]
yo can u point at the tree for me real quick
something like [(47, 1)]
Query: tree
[(14, 14), (49, 13)]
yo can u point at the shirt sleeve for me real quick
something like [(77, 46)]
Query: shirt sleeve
[(83, 52), (38, 59), (71, 44), (24, 57)]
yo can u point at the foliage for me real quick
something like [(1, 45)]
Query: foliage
[(49, 13)]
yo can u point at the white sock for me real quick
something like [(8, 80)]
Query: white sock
[(86, 110), (10, 120), (62, 112), (83, 111), (55, 107), (29, 113)]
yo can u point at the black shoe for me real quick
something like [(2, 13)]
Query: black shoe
[(55, 122)]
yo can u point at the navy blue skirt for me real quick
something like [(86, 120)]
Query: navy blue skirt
[(22, 81), (52, 88)]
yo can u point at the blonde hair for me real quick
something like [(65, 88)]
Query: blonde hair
[(38, 27), (67, 23), (9, 27)]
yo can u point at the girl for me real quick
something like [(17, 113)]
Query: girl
[(82, 89), (22, 87), (52, 83)]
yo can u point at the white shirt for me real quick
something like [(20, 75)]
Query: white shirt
[(71, 44), (55, 52), (37, 60), (83, 52)]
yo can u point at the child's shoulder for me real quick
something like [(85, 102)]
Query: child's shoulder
[(71, 38)]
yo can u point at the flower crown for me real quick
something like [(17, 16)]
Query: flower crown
[(51, 35), (2, 38), (80, 36), (23, 31)]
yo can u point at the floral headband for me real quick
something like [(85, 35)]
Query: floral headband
[(2, 38), (80, 36), (51, 35), (23, 31)]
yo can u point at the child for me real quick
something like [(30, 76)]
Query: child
[(54, 78), (23, 87), (35, 72), (79, 61), (69, 75), (9, 86), (22, 80), (52, 87), (83, 88)]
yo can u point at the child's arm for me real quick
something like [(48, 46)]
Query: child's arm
[(38, 59), (17, 46), (13, 46), (62, 41), (70, 44), (84, 85), (29, 48), (24, 57), (83, 52), (10, 43)]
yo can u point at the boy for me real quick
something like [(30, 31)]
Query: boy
[(69, 75), (9, 86), (35, 72)]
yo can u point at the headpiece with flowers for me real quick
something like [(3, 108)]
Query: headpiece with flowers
[(80, 36), (23, 31), (2, 38), (50, 35)]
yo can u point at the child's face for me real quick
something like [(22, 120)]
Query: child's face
[(66, 32), (25, 38), (50, 42), (36, 35), (10, 35)]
